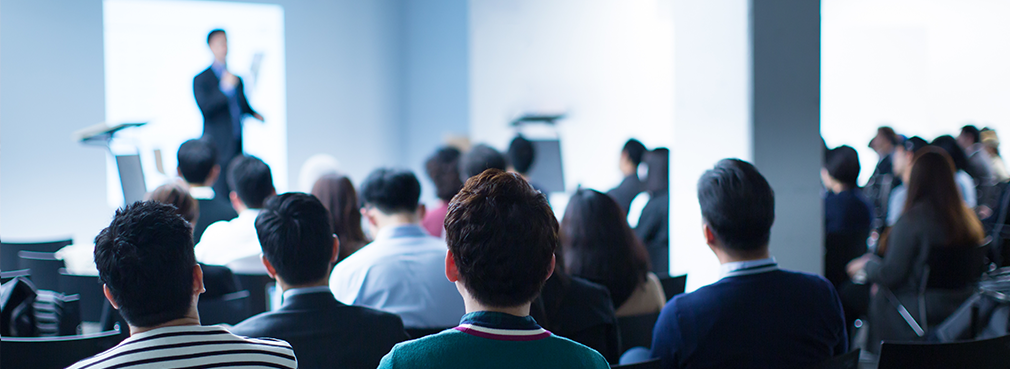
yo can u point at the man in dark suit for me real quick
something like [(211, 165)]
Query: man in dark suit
[(757, 315), (299, 249), (198, 167), (631, 186), (221, 97)]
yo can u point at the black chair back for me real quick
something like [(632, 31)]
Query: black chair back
[(53, 352), (651, 364), (990, 353), (89, 287), (673, 286), (416, 333), (257, 285), (955, 267), (6, 276), (230, 309), (848, 360), (636, 330), (44, 266), (9, 250)]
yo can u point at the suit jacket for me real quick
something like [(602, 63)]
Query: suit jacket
[(217, 118), (212, 210), (578, 310), (326, 333), (625, 192), (218, 280), (654, 231)]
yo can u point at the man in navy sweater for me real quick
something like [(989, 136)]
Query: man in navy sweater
[(757, 315)]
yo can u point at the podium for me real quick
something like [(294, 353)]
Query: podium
[(131, 173)]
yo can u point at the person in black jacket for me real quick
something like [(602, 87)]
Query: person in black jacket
[(631, 185), (198, 167), (221, 98), (299, 249), (654, 224)]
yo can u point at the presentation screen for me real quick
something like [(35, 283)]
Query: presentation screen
[(154, 49)]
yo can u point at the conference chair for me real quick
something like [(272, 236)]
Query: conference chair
[(6, 276), (636, 330), (44, 266), (651, 364), (53, 352), (257, 285), (990, 353), (673, 286), (849, 360), (229, 309), (9, 250), (89, 287)]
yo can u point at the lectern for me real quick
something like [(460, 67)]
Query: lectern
[(131, 174)]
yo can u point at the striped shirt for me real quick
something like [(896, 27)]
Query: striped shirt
[(192, 346)]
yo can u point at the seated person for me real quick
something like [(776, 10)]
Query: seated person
[(443, 169), (631, 185), (198, 167), (298, 250), (337, 194), (480, 158), (225, 242), (145, 259), (579, 310), (402, 270), (502, 236), (757, 315), (521, 155), (654, 224)]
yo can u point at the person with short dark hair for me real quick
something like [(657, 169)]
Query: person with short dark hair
[(978, 165), (299, 249), (199, 168), (845, 207), (443, 169), (337, 194), (480, 158), (521, 156), (902, 161), (145, 260), (654, 224), (502, 236), (401, 271), (235, 241), (631, 185), (965, 182), (756, 314)]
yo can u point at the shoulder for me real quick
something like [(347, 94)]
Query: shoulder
[(204, 74), (425, 350), (578, 353)]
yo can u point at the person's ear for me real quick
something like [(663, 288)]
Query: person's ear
[(710, 238), (198, 280), (550, 272), (336, 250), (451, 272), (108, 296), (236, 202), (270, 267), (421, 211), (367, 213), (212, 176)]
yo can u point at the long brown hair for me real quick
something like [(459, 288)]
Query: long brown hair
[(337, 194), (932, 182)]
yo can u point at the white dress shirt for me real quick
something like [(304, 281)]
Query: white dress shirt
[(401, 272), (738, 268), (229, 240)]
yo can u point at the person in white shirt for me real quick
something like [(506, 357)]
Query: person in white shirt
[(403, 270), (225, 242)]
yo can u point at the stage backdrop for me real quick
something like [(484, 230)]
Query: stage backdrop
[(153, 49)]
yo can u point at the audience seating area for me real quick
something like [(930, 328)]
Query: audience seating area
[(53, 352)]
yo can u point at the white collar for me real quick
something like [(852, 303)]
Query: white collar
[(738, 268), (202, 192), (303, 290)]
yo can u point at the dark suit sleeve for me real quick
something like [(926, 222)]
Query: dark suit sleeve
[(648, 224), (243, 103), (666, 344), (208, 95)]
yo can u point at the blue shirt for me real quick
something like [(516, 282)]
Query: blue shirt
[(229, 92)]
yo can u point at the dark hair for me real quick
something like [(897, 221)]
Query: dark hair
[(443, 168), (889, 134), (635, 151), (502, 235), (178, 196), (296, 235), (738, 204), (521, 154), (214, 32), (250, 178), (337, 194), (658, 163), (914, 144), (196, 159), (480, 158), (972, 132), (391, 190), (932, 182), (842, 164), (145, 257), (956, 153), (598, 245)]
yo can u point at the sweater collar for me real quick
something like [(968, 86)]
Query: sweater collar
[(501, 326)]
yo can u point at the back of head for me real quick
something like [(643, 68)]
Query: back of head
[(972, 133), (914, 144), (480, 158), (658, 163), (521, 154), (932, 183), (176, 195), (337, 194), (956, 153), (842, 163), (391, 191), (738, 204), (296, 235), (196, 159), (635, 151), (502, 234), (145, 257), (443, 168), (598, 244), (888, 134), (250, 178)]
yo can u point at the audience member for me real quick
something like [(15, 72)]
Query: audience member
[(443, 169), (631, 186), (845, 207), (756, 314), (964, 181), (579, 310), (978, 162), (402, 270), (991, 144), (145, 260), (299, 249), (336, 193), (934, 218), (229, 241), (199, 168), (521, 156), (903, 156), (502, 237), (217, 280), (654, 224), (598, 245), (480, 158), (883, 179)]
